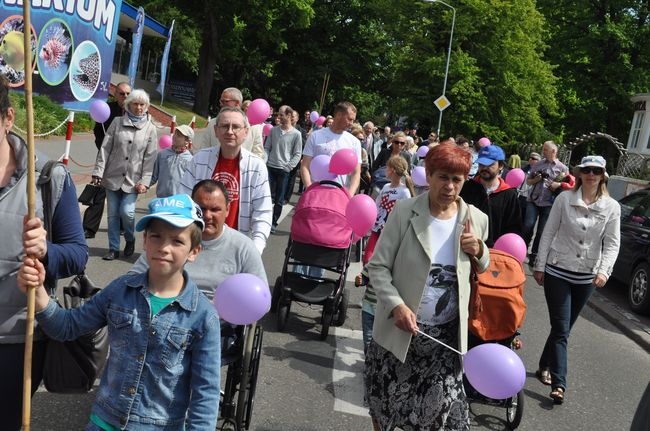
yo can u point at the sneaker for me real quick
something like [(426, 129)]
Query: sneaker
[(111, 255), (274, 228)]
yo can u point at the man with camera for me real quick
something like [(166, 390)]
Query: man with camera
[(543, 182)]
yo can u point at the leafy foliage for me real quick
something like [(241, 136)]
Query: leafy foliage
[(47, 115)]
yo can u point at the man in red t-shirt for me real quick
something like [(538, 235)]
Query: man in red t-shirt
[(244, 175)]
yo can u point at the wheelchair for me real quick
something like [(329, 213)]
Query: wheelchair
[(241, 349)]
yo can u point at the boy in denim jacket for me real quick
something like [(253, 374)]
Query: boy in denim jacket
[(163, 371)]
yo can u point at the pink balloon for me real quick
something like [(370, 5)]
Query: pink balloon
[(515, 177), (266, 129), (313, 116), (513, 244), (422, 151), (419, 176), (165, 141), (242, 299), (361, 213), (319, 168), (320, 121), (484, 142), (494, 370), (99, 111), (258, 111), (344, 161)]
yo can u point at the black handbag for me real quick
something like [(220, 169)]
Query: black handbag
[(71, 367), (92, 194)]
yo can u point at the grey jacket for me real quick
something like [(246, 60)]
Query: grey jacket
[(399, 267), (128, 155), (580, 237)]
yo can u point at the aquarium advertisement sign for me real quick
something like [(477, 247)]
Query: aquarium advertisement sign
[(72, 47)]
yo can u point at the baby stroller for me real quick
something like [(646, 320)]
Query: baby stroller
[(320, 239), (241, 349)]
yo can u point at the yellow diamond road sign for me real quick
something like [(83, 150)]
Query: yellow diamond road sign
[(442, 102)]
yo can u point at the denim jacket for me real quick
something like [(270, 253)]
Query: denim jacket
[(162, 371)]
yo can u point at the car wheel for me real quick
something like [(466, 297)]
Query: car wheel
[(638, 294)]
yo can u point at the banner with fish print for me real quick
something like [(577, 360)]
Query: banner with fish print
[(73, 43)]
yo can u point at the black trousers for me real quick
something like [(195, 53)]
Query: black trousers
[(93, 214), (11, 381)]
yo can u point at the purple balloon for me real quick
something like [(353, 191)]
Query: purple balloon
[(494, 370), (313, 116), (419, 176), (242, 299), (515, 177), (99, 111), (422, 151), (319, 168), (512, 244), (361, 213)]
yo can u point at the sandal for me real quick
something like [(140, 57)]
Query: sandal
[(558, 395), (544, 376)]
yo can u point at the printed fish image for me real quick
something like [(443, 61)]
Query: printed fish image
[(13, 51), (88, 76), (55, 50)]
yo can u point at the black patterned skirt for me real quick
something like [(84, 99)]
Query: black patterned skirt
[(423, 393)]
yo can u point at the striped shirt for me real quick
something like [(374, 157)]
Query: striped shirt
[(255, 207), (579, 278)]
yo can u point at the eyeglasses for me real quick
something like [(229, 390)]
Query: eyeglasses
[(123, 93), (400, 142), (592, 169), (225, 128)]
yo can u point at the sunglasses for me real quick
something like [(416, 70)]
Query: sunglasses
[(400, 142), (592, 169)]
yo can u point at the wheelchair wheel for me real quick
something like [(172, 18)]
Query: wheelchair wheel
[(276, 293), (515, 410), (251, 385), (283, 313), (342, 309)]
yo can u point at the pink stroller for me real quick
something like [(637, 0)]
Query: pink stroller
[(321, 240)]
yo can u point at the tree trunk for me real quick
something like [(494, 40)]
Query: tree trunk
[(207, 63)]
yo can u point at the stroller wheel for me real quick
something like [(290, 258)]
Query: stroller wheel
[(276, 293), (326, 320), (342, 309), (228, 425), (283, 313), (515, 410)]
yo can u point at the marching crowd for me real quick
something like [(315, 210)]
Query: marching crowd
[(220, 196)]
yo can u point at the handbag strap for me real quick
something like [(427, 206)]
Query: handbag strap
[(475, 304)]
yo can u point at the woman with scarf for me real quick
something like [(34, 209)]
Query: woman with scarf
[(124, 166)]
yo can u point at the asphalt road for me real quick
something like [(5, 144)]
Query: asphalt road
[(306, 384)]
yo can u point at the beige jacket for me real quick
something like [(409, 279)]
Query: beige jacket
[(127, 155), (580, 237), (399, 267)]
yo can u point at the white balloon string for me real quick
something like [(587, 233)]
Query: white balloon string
[(440, 342)]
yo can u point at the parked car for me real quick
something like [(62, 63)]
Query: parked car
[(633, 263)]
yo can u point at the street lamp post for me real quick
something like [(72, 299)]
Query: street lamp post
[(451, 38)]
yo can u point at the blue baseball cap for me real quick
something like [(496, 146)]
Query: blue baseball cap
[(490, 154), (177, 210)]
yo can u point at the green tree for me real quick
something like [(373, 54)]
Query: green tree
[(601, 52)]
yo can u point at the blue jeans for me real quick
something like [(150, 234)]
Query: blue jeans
[(121, 206), (367, 320), (278, 182), (532, 213), (565, 301)]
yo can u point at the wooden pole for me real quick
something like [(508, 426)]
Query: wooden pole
[(31, 211), (323, 91)]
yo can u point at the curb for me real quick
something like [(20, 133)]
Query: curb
[(624, 320)]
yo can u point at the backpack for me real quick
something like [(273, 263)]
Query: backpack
[(70, 367), (497, 307)]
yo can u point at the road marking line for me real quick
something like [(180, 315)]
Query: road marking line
[(347, 372)]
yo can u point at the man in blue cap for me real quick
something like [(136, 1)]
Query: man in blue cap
[(491, 194)]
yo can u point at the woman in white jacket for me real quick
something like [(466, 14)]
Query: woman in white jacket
[(576, 255)]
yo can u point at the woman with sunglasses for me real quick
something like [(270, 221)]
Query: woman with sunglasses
[(576, 254)]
